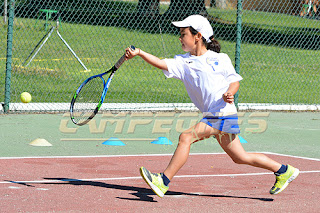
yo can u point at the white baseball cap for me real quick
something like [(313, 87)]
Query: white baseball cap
[(199, 23)]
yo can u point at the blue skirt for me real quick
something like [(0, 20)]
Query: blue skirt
[(227, 124)]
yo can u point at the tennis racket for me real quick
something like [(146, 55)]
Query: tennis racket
[(90, 95)]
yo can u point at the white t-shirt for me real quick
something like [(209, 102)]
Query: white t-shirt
[(206, 78)]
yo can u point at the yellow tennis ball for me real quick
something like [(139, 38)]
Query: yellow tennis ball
[(25, 97)]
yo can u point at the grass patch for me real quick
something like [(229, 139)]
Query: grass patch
[(272, 74)]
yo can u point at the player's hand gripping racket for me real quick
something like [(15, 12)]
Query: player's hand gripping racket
[(90, 95)]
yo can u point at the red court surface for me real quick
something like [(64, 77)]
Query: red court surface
[(207, 183)]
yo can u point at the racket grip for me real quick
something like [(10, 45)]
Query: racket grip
[(123, 58)]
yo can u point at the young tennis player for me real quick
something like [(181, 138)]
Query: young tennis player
[(211, 83), (309, 7)]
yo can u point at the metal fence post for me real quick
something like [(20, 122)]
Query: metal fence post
[(238, 44), (9, 56)]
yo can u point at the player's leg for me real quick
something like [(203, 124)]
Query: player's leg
[(304, 9), (196, 133), (230, 143), (284, 174), (159, 181)]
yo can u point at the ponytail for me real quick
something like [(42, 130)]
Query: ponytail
[(214, 45)]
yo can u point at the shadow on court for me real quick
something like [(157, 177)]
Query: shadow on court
[(143, 194)]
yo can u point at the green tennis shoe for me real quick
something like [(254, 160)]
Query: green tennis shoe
[(284, 179), (155, 181)]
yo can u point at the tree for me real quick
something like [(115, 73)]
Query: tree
[(148, 7), (179, 9), (221, 4)]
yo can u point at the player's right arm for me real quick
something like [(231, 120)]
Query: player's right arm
[(149, 58)]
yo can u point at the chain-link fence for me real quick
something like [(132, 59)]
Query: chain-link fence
[(58, 44), (280, 52)]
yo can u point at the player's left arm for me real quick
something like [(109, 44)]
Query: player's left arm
[(232, 90)]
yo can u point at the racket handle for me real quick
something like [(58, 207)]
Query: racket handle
[(122, 59)]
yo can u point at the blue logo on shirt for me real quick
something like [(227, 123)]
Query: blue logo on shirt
[(213, 62)]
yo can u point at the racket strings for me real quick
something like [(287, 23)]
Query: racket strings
[(88, 100)]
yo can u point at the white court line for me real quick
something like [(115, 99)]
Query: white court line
[(146, 155), (102, 156), (139, 177), (293, 156)]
